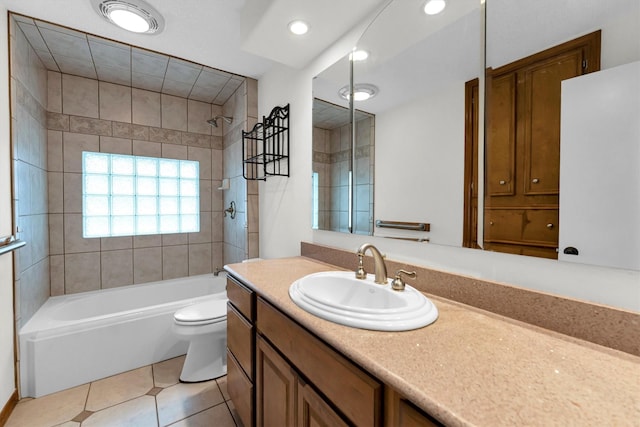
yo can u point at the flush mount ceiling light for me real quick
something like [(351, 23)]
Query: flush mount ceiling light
[(298, 27), (361, 91), (359, 55), (433, 7), (136, 16)]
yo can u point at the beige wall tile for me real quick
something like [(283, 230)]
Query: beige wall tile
[(56, 234), (79, 96), (203, 156), (204, 235), (55, 185), (175, 239), (54, 89), (81, 272), (217, 229), (147, 148), (205, 195), (172, 151), (175, 261), (56, 273), (115, 243), (199, 259), (115, 102), (112, 145), (146, 107), (73, 193), (90, 126), (54, 151), (174, 112), (197, 115), (147, 241), (147, 265), (73, 240), (117, 268), (253, 217), (73, 146), (216, 164), (217, 258)]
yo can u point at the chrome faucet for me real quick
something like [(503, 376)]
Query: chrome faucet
[(378, 259)]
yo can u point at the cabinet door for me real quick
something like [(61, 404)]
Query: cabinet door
[(275, 387), (399, 412), (240, 390), (540, 120), (501, 135), (314, 411)]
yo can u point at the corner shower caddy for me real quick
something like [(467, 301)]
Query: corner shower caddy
[(265, 148)]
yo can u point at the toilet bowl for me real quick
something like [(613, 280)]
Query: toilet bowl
[(204, 325)]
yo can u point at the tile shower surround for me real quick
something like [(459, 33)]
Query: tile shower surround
[(87, 115)]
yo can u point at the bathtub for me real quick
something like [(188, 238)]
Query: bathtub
[(78, 338)]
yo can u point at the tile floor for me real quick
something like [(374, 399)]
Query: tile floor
[(148, 396)]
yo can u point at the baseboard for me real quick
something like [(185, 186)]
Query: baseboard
[(8, 408)]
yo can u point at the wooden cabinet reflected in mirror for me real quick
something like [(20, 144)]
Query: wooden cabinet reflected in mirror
[(522, 182)]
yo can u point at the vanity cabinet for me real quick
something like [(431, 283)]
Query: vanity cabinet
[(241, 349), (281, 374)]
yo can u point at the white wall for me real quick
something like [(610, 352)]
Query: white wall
[(285, 214), (7, 372), (423, 183)]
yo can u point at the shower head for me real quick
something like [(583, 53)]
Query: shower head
[(214, 122)]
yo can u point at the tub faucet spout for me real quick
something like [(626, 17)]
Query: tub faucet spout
[(378, 259)]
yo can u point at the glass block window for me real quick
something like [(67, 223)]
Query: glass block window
[(132, 195)]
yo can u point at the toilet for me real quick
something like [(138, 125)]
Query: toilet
[(204, 325)]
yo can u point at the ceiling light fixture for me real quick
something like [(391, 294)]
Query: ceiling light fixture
[(433, 7), (359, 55), (361, 91), (136, 16), (298, 27)]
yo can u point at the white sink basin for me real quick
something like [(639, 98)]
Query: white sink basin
[(341, 298)]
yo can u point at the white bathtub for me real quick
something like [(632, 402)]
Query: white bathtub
[(78, 338)]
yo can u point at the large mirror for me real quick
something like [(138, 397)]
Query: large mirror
[(427, 133), (418, 66)]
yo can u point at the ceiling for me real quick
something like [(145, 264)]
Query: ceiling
[(243, 37), (72, 52)]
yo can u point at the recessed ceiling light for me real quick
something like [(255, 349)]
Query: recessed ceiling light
[(136, 16), (359, 55), (361, 91), (433, 7), (298, 27)]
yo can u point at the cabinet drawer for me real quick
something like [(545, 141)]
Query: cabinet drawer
[(240, 339), (240, 389), (527, 226), (242, 298), (356, 394)]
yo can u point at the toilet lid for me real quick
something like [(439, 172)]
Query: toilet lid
[(207, 310)]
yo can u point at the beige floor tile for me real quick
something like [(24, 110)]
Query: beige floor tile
[(218, 416), (49, 410), (119, 388), (69, 424), (139, 412), (167, 373), (222, 383), (183, 400)]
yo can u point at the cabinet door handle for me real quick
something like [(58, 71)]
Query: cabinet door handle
[(549, 226), (503, 182), (535, 180)]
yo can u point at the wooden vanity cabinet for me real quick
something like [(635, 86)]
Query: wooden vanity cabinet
[(280, 374), (241, 349)]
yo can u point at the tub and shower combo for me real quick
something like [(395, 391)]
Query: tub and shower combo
[(78, 338)]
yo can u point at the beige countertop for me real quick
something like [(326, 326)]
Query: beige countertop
[(471, 367)]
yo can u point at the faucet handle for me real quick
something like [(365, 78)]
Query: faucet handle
[(360, 272), (398, 284)]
